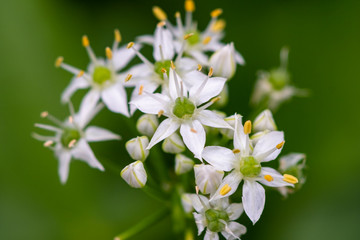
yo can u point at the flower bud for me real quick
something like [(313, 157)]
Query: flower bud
[(134, 174), (173, 144), (207, 178), (223, 61), (264, 121), (183, 164), (136, 148), (147, 124), (186, 202)]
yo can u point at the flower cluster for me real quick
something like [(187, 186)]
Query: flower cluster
[(174, 100)]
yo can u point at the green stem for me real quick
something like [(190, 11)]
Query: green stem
[(157, 161), (155, 194), (142, 225)]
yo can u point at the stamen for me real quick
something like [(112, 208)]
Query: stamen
[(179, 22), (214, 100), (141, 89), (189, 6), (53, 119), (199, 67), (247, 127), (161, 53), (117, 36), (48, 143), (177, 15), (80, 74), (85, 41), (59, 61), (189, 35), (193, 130), (161, 24), (211, 71), (172, 65), (218, 26), (197, 190), (211, 102), (108, 53), (280, 145), (206, 40), (159, 13), (290, 179), (215, 13), (44, 114), (225, 189), (71, 119), (160, 113), (142, 57), (130, 45), (235, 151), (163, 70), (128, 77), (86, 44), (72, 143), (268, 178)]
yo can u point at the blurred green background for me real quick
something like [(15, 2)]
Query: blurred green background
[(324, 41)]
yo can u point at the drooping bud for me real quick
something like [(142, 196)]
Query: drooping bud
[(136, 148), (134, 174), (173, 144), (147, 124), (264, 121), (207, 178), (223, 61), (183, 164)]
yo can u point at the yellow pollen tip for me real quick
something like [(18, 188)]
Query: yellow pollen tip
[(218, 26), (59, 61), (160, 113), (236, 150), (80, 74), (247, 127), (128, 77), (189, 35), (206, 40), (193, 130), (225, 189), (108, 53), (211, 71), (163, 70), (44, 114), (172, 65), (159, 13), (197, 190), (199, 67), (177, 15), (161, 24), (189, 6), (72, 143), (280, 145), (117, 35), (48, 143), (71, 119), (130, 45), (141, 89), (217, 12), (290, 179), (85, 41), (268, 178), (214, 100)]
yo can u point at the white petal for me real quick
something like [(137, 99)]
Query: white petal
[(233, 180), (207, 178), (96, 134), (277, 178), (212, 88), (235, 210), (163, 37), (194, 78), (87, 106), (253, 200), (201, 57), (220, 157), (122, 56), (234, 231), (134, 174), (148, 86), (64, 165), (223, 61), (239, 135), (183, 164), (211, 235), (239, 58), (199, 202), (186, 203), (165, 129), (211, 119), (291, 160), (200, 222), (148, 103), (266, 144), (194, 137), (147, 39), (115, 99), (75, 84), (264, 121), (175, 85), (48, 127), (83, 152)]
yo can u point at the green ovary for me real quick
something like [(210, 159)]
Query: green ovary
[(101, 75), (68, 135), (249, 167), (160, 65), (194, 39), (213, 218), (279, 78), (183, 108)]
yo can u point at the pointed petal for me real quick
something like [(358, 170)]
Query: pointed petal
[(211, 119), (220, 157), (199, 202), (97, 134), (194, 137), (64, 165), (266, 143), (165, 129), (211, 235), (239, 58), (200, 222), (175, 84), (211, 89), (115, 99), (87, 106), (83, 152), (122, 56), (239, 135), (233, 180), (151, 103), (75, 84), (234, 231), (163, 37), (235, 210), (253, 200), (150, 87), (207, 178), (277, 178), (147, 39), (201, 57)]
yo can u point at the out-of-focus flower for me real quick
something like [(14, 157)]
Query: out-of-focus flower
[(207, 178), (134, 174), (183, 164), (136, 148), (147, 124)]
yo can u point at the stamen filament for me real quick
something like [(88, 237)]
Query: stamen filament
[(142, 57), (86, 44), (51, 118)]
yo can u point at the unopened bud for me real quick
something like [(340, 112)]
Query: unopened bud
[(183, 164), (136, 148), (223, 61), (134, 174), (147, 124), (264, 121), (173, 144), (207, 178)]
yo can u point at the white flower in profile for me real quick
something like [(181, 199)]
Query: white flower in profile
[(134, 174), (207, 178), (183, 164), (184, 109), (217, 217), (264, 121), (101, 77), (136, 148), (71, 138), (173, 144), (245, 164)]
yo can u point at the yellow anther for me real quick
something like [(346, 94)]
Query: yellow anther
[(130, 45), (236, 150), (199, 67), (269, 178), (193, 130), (48, 143), (44, 114), (211, 71), (189, 35), (85, 41), (141, 89), (71, 120), (290, 179), (247, 127), (128, 77), (59, 61), (177, 15), (225, 189), (72, 143), (214, 100), (218, 26), (117, 35), (108, 53), (80, 74), (161, 24), (217, 12), (159, 13), (206, 40), (197, 189), (172, 65), (163, 70), (280, 145), (160, 113), (189, 6)]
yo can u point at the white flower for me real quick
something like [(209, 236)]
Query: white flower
[(134, 174), (224, 61), (245, 164), (217, 216), (207, 178), (184, 109), (71, 139), (264, 121), (183, 164), (102, 77), (173, 144), (136, 148), (229, 133), (147, 124)]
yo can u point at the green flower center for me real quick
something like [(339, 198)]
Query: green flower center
[(183, 108), (279, 78), (249, 167), (160, 65), (194, 39), (213, 218), (101, 74), (68, 135)]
